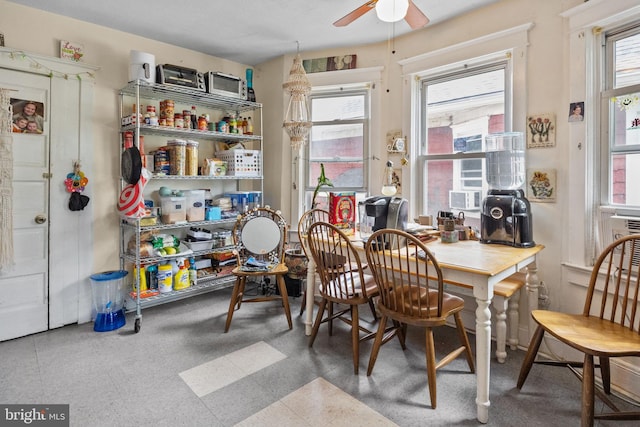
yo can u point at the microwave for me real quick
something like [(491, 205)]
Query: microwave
[(226, 85)]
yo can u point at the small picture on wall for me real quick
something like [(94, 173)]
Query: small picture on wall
[(576, 112), (28, 116), (541, 131), (541, 185)]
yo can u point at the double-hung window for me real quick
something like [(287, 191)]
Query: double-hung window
[(620, 119), (339, 140), (459, 107)]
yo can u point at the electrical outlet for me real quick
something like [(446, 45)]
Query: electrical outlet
[(1, 40)]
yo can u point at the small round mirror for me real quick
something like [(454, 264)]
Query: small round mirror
[(260, 235)]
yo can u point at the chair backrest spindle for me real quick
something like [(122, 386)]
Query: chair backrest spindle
[(614, 286)]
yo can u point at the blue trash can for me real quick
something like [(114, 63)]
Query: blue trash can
[(108, 300)]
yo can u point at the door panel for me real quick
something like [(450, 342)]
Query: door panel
[(24, 287)]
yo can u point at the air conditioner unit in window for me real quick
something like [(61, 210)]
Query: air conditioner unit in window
[(464, 200), (623, 226)]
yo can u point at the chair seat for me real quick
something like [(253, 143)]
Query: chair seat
[(590, 335), (277, 270), (421, 307), (341, 288)]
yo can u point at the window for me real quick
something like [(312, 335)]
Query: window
[(339, 140), (458, 109), (620, 112)]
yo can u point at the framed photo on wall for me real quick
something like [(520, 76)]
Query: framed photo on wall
[(28, 116)]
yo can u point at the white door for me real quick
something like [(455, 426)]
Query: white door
[(24, 287)]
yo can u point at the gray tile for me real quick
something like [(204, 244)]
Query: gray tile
[(123, 378)]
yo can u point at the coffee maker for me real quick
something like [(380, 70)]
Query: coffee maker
[(380, 212), (506, 213)]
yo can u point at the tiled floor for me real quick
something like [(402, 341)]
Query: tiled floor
[(182, 370)]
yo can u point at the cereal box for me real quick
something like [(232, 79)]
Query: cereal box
[(342, 211)]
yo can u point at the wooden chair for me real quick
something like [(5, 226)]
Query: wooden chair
[(342, 281), (260, 238), (608, 326), (309, 217), (411, 292)]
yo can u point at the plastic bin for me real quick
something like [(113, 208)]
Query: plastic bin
[(242, 162), (174, 209), (195, 205), (107, 289)]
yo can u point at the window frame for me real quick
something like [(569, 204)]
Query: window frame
[(608, 149), (366, 76), (474, 66), (339, 92)]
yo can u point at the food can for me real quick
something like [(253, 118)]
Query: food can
[(178, 121)]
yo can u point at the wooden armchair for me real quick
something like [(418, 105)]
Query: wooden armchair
[(608, 326), (411, 292)]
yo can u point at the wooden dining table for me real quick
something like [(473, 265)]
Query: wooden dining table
[(480, 266)]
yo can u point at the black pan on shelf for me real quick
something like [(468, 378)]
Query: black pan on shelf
[(131, 165)]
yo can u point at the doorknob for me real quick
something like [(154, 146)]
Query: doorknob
[(41, 219)]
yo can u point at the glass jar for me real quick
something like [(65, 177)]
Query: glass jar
[(178, 121), (202, 123)]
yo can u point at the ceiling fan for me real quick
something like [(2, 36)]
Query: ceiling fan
[(414, 16)]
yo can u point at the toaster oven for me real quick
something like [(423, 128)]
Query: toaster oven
[(226, 85), (167, 74)]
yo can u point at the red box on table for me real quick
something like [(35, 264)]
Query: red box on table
[(342, 211)]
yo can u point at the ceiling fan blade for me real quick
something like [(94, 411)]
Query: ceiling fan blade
[(415, 18), (352, 16)]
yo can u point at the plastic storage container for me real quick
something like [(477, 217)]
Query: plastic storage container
[(239, 200), (174, 209), (177, 156), (255, 199), (191, 166), (107, 289), (242, 162), (195, 205), (505, 160)]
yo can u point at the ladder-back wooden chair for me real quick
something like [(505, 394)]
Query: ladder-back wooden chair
[(342, 281), (411, 290), (260, 236), (309, 217), (608, 326)]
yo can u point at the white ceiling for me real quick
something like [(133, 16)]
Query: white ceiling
[(247, 31)]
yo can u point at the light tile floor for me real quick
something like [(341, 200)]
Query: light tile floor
[(182, 370)]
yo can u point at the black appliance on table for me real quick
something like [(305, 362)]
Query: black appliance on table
[(379, 212), (506, 219)]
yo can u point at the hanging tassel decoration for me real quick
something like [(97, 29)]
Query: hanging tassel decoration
[(6, 181)]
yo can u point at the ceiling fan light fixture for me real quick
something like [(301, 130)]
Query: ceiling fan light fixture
[(392, 10)]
